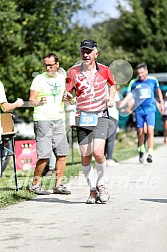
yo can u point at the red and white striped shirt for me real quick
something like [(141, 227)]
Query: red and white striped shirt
[(90, 97)]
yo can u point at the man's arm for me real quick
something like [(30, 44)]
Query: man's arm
[(33, 99), (112, 87), (161, 101), (112, 92), (127, 100), (8, 107), (4, 104), (69, 87)]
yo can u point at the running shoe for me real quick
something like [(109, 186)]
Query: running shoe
[(149, 158), (61, 189), (37, 189), (93, 197), (141, 157), (103, 194)]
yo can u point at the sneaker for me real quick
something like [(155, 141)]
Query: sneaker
[(61, 190), (93, 197), (111, 162), (37, 189), (149, 158), (103, 194), (141, 157)]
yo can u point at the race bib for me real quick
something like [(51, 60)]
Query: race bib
[(88, 119), (144, 91)]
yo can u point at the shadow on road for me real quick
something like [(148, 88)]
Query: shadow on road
[(156, 200)]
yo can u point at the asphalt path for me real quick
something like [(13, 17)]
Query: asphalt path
[(134, 220)]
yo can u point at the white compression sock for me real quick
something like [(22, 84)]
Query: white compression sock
[(88, 171), (100, 173)]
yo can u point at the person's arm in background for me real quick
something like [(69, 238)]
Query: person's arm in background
[(161, 101), (8, 107), (126, 104), (126, 101), (68, 96), (112, 88), (5, 105)]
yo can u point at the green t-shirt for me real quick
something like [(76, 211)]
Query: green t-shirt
[(52, 88)]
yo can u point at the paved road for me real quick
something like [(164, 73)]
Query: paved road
[(134, 220)]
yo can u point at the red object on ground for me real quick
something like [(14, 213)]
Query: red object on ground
[(26, 156)]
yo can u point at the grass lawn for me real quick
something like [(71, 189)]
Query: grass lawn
[(9, 196)]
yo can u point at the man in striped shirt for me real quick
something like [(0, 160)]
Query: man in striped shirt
[(94, 87)]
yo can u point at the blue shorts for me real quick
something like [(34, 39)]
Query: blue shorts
[(148, 118)]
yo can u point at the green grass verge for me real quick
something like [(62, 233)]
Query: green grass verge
[(9, 196)]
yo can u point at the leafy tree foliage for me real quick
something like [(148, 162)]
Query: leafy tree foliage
[(29, 30), (109, 48), (142, 32)]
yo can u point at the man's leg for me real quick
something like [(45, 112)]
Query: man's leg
[(60, 168), (35, 186), (61, 150), (98, 152), (140, 133), (50, 167), (87, 168), (140, 120), (44, 148), (165, 131), (150, 137), (150, 120), (100, 134), (99, 156), (40, 166), (150, 143), (110, 142), (85, 138)]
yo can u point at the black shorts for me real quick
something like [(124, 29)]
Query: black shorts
[(164, 118), (86, 134)]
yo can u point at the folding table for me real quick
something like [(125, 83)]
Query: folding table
[(7, 134)]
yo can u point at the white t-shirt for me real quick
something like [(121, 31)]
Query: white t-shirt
[(52, 88), (2, 94)]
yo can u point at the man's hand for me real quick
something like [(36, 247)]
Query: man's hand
[(19, 102), (43, 101), (110, 102), (161, 107), (67, 96)]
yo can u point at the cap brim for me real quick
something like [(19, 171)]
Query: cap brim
[(90, 48)]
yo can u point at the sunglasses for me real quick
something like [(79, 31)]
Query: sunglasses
[(49, 65)]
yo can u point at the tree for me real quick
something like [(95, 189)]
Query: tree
[(29, 30), (142, 32), (104, 34)]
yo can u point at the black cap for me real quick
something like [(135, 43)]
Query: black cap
[(88, 43)]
